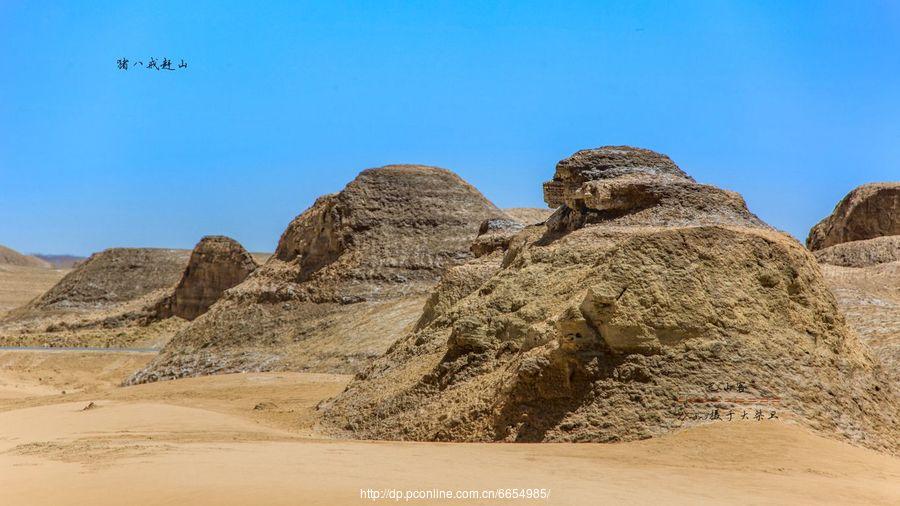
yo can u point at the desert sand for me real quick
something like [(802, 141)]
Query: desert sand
[(251, 439), (19, 284)]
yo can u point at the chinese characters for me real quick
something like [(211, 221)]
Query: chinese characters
[(152, 63), (730, 415)]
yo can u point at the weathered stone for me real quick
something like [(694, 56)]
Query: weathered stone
[(217, 264), (494, 235), (869, 211), (114, 276), (631, 186), (862, 253)]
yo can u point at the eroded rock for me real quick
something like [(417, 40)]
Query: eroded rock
[(642, 290), (869, 211), (350, 274), (217, 263)]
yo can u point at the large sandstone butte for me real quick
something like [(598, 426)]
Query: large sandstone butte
[(217, 264), (349, 275), (869, 211), (646, 303)]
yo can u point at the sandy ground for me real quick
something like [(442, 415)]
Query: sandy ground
[(18, 285), (250, 439)]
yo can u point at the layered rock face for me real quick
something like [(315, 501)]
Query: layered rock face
[(624, 317), (217, 263), (349, 275), (869, 211)]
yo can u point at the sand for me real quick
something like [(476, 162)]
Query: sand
[(251, 439), (20, 284)]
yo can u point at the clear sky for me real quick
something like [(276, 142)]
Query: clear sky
[(790, 103)]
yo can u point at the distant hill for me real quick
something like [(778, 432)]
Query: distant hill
[(12, 257), (61, 261)]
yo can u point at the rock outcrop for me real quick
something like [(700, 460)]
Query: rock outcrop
[(495, 234), (217, 263), (349, 275), (647, 303), (106, 301), (869, 211)]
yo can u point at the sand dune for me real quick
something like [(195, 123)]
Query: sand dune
[(250, 439)]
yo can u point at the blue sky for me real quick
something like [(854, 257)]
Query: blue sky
[(790, 103)]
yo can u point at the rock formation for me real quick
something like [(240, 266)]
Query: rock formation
[(869, 211), (349, 275), (863, 253), (113, 277), (217, 264), (858, 247), (646, 303), (495, 234), (107, 300)]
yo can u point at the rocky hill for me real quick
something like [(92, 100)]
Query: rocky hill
[(646, 303), (863, 253), (106, 301), (349, 275)]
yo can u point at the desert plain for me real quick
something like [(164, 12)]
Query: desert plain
[(250, 439)]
